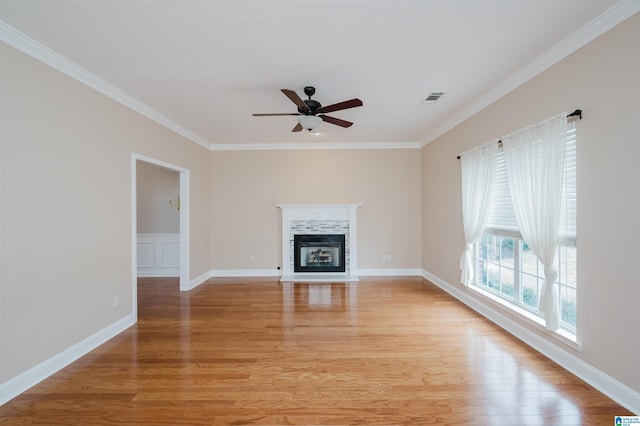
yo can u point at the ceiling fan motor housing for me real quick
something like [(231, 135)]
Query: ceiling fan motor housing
[(312, 105)]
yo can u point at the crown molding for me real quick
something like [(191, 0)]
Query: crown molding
[(327, 146), (38, 51), (613, 16), (619, 12)]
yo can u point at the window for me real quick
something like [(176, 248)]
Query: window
[(504, 264)]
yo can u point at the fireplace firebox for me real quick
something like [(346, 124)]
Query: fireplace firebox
[(319, 253)]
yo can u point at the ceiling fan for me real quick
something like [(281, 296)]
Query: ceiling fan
[(311, 113)]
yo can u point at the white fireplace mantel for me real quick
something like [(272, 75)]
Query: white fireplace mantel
[(314, 213)]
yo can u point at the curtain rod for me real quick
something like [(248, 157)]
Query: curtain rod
[(576, 113)]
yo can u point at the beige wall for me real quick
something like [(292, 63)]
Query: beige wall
[(602, 79), (247, 186), (66, 208), (154, 184)]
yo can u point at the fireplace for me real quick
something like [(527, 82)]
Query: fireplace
[(320, 220), (319, 253)]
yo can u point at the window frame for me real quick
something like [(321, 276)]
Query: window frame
[(567, 333), (517, 299)]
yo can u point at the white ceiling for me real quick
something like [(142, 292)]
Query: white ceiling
[(202, 67)]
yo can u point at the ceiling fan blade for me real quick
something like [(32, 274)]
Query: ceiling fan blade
[(274, 114), (351, 103), (295, 99), (297, 128), (336, 121)]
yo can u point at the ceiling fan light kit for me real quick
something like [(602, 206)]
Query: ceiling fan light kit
[(311, 112), (309, 122)]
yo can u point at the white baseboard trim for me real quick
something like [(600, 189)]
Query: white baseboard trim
[(609, 386), (324, 277), (35, 375), (199, 280), (228, 273), (165, 273), (389, 272)]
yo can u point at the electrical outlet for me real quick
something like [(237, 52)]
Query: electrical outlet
[(116, 301), (252, 259)]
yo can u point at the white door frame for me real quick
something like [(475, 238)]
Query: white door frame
[(184, 223)]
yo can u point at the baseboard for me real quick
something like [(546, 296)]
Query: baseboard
[(609, 386), (316, 278), (389, 272), (164, 273), (199, 280), (35, 375), (228, 273)]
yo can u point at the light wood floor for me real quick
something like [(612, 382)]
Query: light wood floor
[(382, 351)]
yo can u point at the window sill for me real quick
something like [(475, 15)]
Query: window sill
[(560, 335)]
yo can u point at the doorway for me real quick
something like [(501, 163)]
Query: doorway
[(183, 212)]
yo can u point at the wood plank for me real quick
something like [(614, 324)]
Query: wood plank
[(380, 351)]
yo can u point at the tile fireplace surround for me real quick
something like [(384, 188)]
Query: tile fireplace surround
[(319, 219)]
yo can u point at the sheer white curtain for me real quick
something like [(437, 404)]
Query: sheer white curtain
[(534, 157), (478, 168)]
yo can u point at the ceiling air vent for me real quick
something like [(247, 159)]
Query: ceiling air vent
[(433, 96)]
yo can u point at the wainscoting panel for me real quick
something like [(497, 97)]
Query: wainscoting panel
[(146, 254), (158, 255)]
